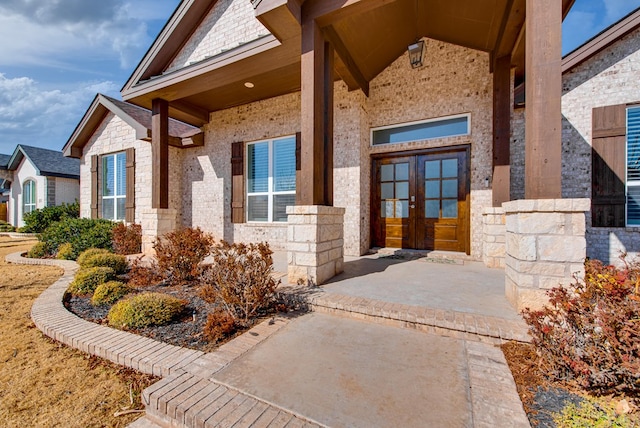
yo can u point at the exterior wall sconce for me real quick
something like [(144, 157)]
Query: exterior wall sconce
[(415, 53)]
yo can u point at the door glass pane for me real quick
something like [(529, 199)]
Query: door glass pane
[(432, 209), (402, 209), (387, 209), (449, 208), (386, 190), (258, 208), (432, 189), (258, 167), (402, 171), (402, 190), (450, 168), (450, 188), (432, 169), (284, 165), (280, 204), (386, 173)]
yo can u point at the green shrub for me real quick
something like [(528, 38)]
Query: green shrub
[(86, 280), (6, 227), (116, 262), (591, 413), (127, 239), (65, 252), (589, 332), (81, 233), (38, 251), (239, 279), (145, 309), (82, 257), (109, 292), (39, 220), (180, 253)]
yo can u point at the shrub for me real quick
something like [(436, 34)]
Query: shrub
[(240, 279), (141, 275), (86, 280), (81, 233), (6, 227), (219, 325), (116, 262), (591, 413), (180, 253), (38, 251), (590, 331), (109, 292), (82, 257), (145, 309), (65, 252), (39, 220), (127, 239)]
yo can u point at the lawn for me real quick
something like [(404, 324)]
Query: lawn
[(43, 383)]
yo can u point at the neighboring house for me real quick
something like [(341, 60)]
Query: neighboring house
[(326, 141), (39, 178), (5, 185)]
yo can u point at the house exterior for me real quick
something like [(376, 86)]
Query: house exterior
[(5, 185), (325, 141), (36, 178)]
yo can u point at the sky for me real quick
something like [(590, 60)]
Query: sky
[(55, 55)]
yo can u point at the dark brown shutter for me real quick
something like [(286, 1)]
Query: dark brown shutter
[(237, 182), (608, 162), (130, 202), (298, 166), (94, 186)]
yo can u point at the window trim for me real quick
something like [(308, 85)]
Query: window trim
[(115, 197), (419, 122), (270, 193), (34, 204)]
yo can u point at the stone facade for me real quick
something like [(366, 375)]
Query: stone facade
[(229, 24), (545, 247), (314, 243), (494, 232), (608, 78)]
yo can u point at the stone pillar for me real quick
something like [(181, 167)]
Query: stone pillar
[(493, 237), (156, 222), (314, 243), (545, 247)]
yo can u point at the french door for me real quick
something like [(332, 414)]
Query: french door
[(420, 200)]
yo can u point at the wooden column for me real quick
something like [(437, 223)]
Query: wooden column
[(316, 184), (160, 153), (501, 181), (543, 141)]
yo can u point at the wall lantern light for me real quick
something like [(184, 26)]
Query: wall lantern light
[(415, 53)]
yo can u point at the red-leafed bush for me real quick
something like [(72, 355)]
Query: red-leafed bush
[(180, 253), (219, 325), (127, 239), (590, 332)]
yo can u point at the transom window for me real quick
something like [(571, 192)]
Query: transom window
[(441, 127), (29, 196), (271, 179), (633, 166), (114, 184)]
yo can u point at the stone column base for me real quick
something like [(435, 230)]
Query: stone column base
[(545, 247), (156, 222), (314, 243), (493, 237)]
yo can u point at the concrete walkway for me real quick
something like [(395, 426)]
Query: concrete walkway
[(317, 369)]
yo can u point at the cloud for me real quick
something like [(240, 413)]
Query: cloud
[(30, 115), (616, 9)]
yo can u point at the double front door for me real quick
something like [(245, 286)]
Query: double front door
[(421, 200)]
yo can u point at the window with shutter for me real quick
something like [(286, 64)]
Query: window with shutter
[(633, 166), (130, 202), (271, 179), (114, 186), (237, 182)]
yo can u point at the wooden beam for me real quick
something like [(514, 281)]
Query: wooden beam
[(316, 186), (189, 113), (349, 63), (501, 130), (326, 11), (543, 116), (160, 154), (281, 17)]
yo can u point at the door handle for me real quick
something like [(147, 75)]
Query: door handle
[(412, 206)]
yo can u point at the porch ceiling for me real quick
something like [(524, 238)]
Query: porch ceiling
[(368, 35)]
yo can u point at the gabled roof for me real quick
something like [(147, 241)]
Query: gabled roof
[(180, 133), (602, 40), (4, 161), (48, 163)]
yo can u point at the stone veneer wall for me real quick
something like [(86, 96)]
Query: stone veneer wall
[(115, 135), (229, 24), (494, 230)]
